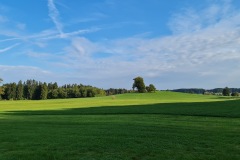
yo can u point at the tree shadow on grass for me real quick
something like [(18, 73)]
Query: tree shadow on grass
[(228, 109), (226, 98)]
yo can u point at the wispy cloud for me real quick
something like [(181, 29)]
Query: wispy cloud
[(209, 50), (8, 48), (69, 34), (191, 20), (54, 15), (9, 39)]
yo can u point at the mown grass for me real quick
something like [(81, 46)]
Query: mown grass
[(162, 125)]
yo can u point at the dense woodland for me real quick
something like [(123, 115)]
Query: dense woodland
[(35, 90)]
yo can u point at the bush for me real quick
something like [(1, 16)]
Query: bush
[(235, 94)]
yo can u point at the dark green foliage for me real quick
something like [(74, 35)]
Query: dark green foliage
[(216, 91), (53, 94), (113, 91), (235, 94), (83, 92), (62, 93), (226, 91), (10, 91), (19, 90), (43, 91), (139, 84), (151, 88), (31, 88), (90, 93), (34, 90), (192, 90)]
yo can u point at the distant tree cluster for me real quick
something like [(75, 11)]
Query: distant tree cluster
[(228, 92), (35, 90), (140, 85), (192, 90), (150, 88), (217, 91), (114, 91)]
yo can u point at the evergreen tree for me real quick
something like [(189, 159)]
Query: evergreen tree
[(62, 93), (10, 91), (43, 91), (31, 88), (83, 92), (19, 93), (53, 94), (34, 90)]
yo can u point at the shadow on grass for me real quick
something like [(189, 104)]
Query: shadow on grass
[(226, 98), (230, 109)]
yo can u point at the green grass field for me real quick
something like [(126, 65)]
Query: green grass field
[(162, 125)]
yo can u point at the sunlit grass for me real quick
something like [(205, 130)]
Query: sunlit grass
[(162, 125)]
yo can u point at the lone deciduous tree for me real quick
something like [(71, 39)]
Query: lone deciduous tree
[(139, 84), (226, 91)]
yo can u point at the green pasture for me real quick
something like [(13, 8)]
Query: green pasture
[(161, 125)]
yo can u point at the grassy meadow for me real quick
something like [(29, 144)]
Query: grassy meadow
[(161, 125)]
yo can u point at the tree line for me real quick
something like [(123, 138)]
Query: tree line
[(36, 90), (216, 91), (114, 91)]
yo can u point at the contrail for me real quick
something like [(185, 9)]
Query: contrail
[(54, 15), (8, 48), (10, 39)]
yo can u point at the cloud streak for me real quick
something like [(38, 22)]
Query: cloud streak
[(9, 48), (54, 15)]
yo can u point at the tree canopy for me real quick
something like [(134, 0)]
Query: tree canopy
[(226, 91), (35, 90), (139, 84), (151, 88)]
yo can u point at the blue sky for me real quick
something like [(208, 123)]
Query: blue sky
[(106, 43)]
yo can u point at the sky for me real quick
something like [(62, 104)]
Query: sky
[(106, 43)]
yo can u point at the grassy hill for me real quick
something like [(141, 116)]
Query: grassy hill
[(161, 125)]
